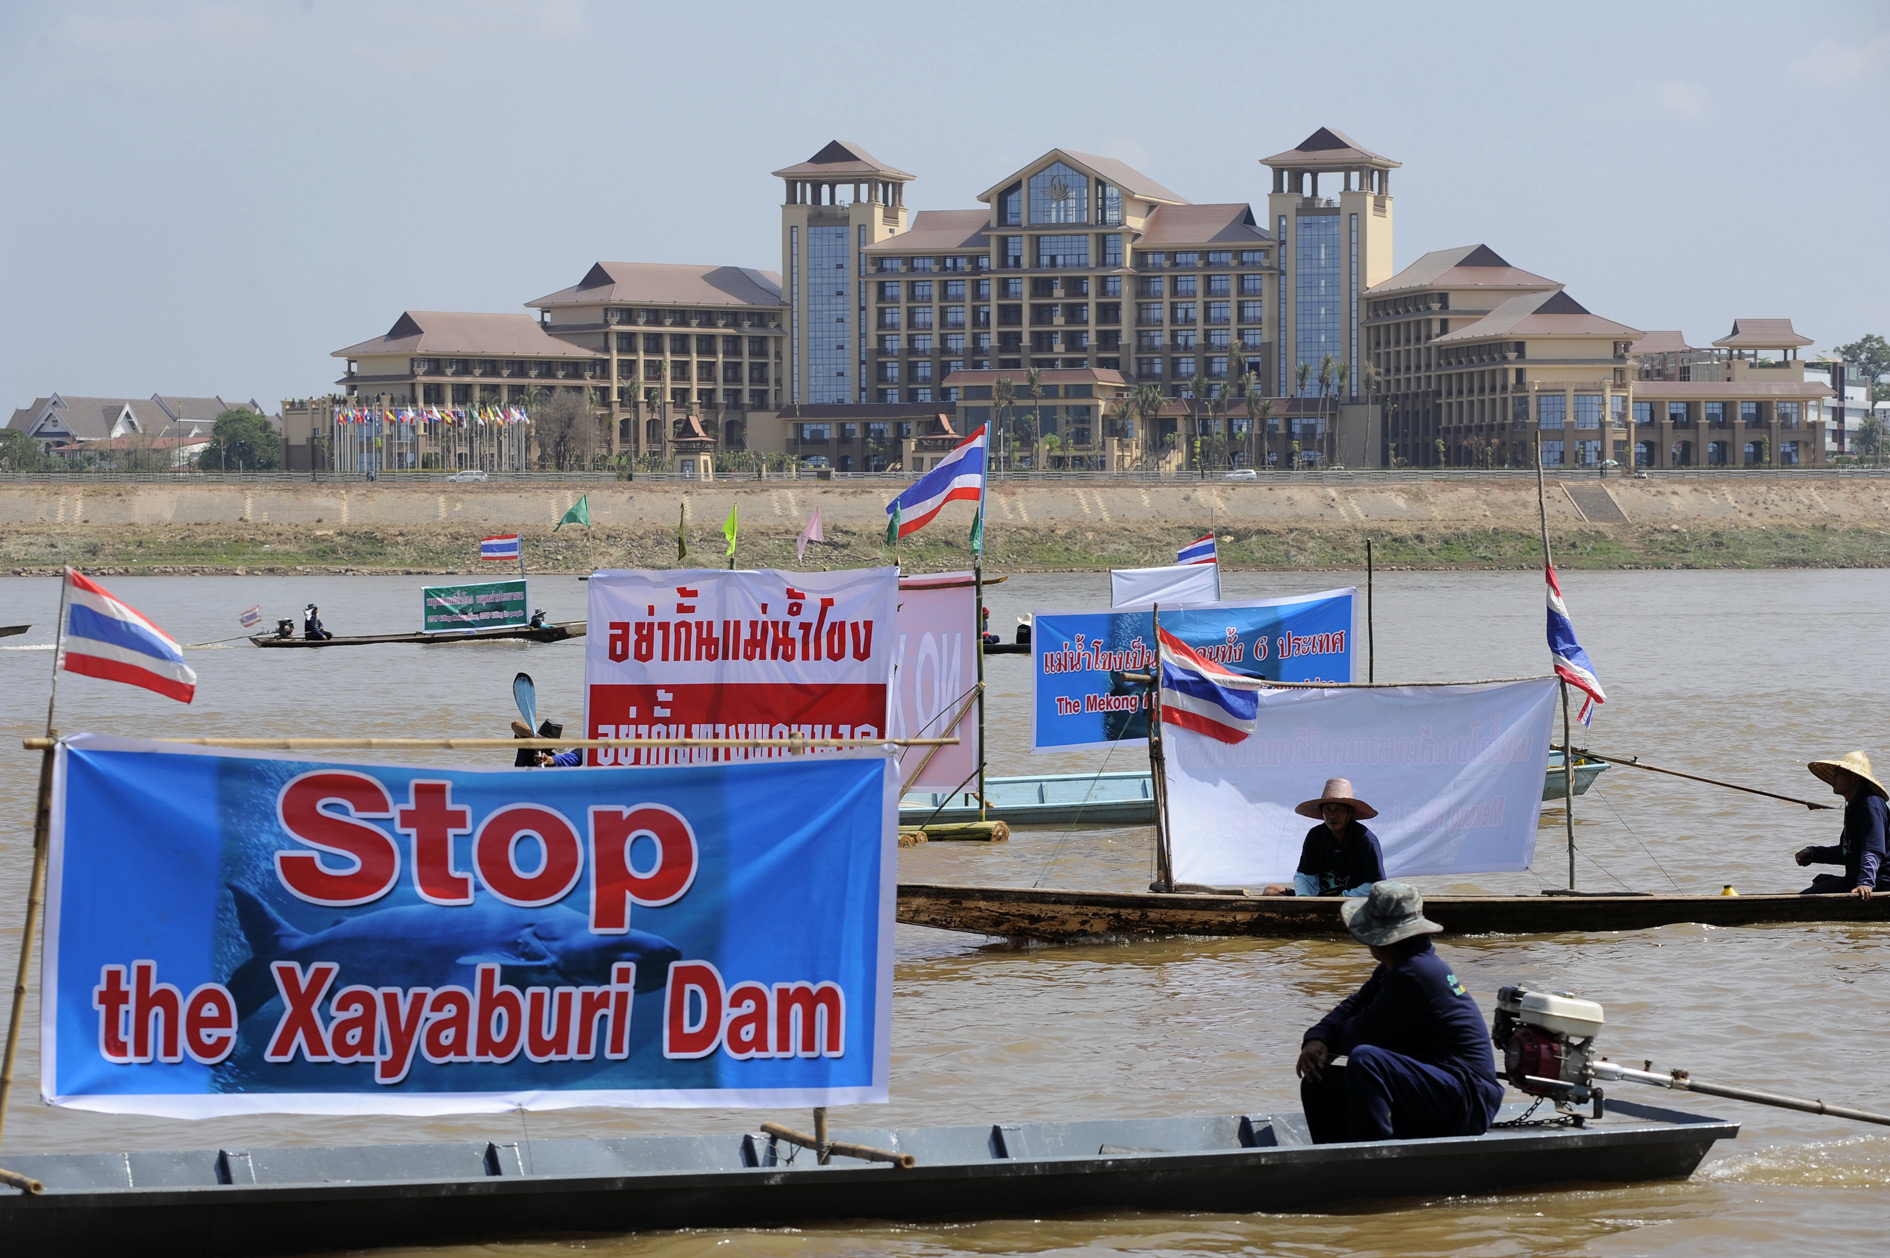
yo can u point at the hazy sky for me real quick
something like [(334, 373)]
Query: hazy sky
[(211, 197)]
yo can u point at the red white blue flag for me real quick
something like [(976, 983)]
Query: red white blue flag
[(499, 547), (106, 638), (1571, 662), (1198, 551), (959, 477), (1208, 698)]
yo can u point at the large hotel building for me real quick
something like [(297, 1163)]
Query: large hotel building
[(1105, 322)]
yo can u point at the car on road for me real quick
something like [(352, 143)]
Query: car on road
[(471, 475), (1242, 473)]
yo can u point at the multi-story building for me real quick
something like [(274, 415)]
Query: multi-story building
[(67, 424)]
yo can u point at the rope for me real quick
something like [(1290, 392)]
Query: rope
[(1068, 830), (1596, 788)]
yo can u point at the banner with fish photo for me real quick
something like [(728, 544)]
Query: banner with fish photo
[(1455, 773), (1081, 698), (708, 653), (240, 933)]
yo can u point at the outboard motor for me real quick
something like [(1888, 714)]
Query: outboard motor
[(1547, 1040), (285, 627)]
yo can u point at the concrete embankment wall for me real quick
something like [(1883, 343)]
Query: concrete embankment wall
[(1752, 521)]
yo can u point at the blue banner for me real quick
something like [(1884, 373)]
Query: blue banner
[(245, 933), (1082, 698)]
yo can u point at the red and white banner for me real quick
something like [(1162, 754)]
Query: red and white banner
[(935, 679), (707, 653)]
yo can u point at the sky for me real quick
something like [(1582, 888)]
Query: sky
[(209, 198)]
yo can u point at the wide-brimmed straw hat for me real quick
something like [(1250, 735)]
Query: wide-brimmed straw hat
[(1393, 911), (1338, 791), (1853, 762)]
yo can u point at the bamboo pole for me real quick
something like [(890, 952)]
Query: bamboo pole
[(1371, 637), (514, 744), (35, 897), (1568, 761), (978, 693), (977, 626), (1157, 765), (864, 1152), (1694, 777)]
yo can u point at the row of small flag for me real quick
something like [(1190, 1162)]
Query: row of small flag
[(461, 415)]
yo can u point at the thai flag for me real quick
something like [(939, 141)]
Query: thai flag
[(959, 476), (103, 637), (1571, 662), (251, 618), (1201, 551), (499, 547), (1200, 695)]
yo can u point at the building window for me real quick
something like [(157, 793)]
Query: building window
[(1217, 311), (889, 316), (1716, 454), (1217, 367), (1643, 412), (919, 395), (1010, 206), (731, 374), (757, 373), (1187, 285), (1109, 209), (1677, 414), (922, 370), (1220, 285), (831, 344), (888, 395), (1253, 257), (954, 290), (922, 343), (1013, 247), (1617, 408), (1184, 366), (1111, 286), (1252, 312), (1181, 312), (1749, 414), (1187, 259), (924, 264), (1715, 414), (1148, 313), (1250, 338), (1112, 249), (1317, 295), (1588, 410), (1552, 454), (1219, 338), (1788, 451), (983, 290), (1552, 412), (1062, 251), (1146, 260), (889, 345), (1184, 338), (817, 433), (954, 316), (1148, 340), (921, 317), (921, 290), (1059, 194), (1519, 410), (889, 372), (678, 344), (1253, 285), (1149, 286), (876, 430), (1149, 368), (889, 290), (1587, 453), (956, 262), (1788, 417), (757, 347)]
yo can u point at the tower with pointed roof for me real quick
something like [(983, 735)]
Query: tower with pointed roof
[(1335, 242), (834, 205)]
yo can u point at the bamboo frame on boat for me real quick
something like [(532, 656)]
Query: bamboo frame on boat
[(517, 744)]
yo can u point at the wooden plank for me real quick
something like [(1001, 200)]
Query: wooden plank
[(1058, 914)]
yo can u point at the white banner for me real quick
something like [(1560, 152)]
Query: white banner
[(708, 653), (935, 677), (1174, 585), (1455, 773)]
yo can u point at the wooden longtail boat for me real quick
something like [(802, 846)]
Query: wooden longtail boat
[(557, 631), (7, 631), (1113, 799), (1056, 915), (209, 1202)]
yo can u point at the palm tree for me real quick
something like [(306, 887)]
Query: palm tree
[(1197, 393), (1344, 375), (1259, 412), (1002, 393), (1149, 401), (1122, 416), (1328, 372), (662, 404), (1033, 385)]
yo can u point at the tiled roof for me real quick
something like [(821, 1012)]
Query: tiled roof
[(1467, 266), (1327, 147), (1539, 314), (1674, 342), (839, 159), (939, 229), (1201, 225), (438, 332), (670, 284), (1762, 334), (92, 418)]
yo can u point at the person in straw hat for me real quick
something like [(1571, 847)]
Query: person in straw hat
[(1417, 1052), (1860, 849), (1340, 856)]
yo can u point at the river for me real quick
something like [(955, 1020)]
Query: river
[(1735, 674)]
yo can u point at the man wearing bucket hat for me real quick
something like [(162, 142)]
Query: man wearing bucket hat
[(1340, 856), (1418, 1059), (1860, 849)]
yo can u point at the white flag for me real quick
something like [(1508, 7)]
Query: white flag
[(812, 533)]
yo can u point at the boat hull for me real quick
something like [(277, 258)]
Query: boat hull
[(557, 632), (8, 631), (1055, 915), (285, 1201)]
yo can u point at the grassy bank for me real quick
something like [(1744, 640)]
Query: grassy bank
[(1034, 548)]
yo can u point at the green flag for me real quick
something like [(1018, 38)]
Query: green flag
[(892, 526), (977, 531), (580, 513), (682, 546), (728, 531)]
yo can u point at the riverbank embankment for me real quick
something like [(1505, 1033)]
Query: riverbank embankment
[(277, 526)]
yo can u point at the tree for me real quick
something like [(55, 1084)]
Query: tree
[(19, 452), (1870, 353), (1122, 416), (1259, 413), (1149, 401), (1869, 441), (1033, 385), (242, 441), (1003, 393), (559, 424)]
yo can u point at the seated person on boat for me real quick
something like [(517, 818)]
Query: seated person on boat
[(312, 627), (1340, 856), (1418, 1058), (1860, 849)]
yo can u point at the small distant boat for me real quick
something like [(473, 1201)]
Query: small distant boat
[(261, 1200), (1113, 799), (7, 631), (557, 631)]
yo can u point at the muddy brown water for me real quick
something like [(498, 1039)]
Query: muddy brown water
[(1743, 675)]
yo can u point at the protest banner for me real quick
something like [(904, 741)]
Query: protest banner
[(237, 933), (1455, 773), (1170, 586), (474, 605), (708, 653), (1080, 697), (935, 678)]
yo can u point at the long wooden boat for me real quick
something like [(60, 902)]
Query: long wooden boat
[(1056, 915), (7, 631), (1112, 799), (557, 631), (210, 1202)]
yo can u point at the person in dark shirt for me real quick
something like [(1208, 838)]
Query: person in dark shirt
[(312, 627), (544, 758), (1340, 856), (1417, 1052), (1860, 849)]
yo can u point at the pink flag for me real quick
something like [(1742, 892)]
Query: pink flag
[(812, 533)]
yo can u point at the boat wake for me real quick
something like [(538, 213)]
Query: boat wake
[(31, 646), (1854, 1162)]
